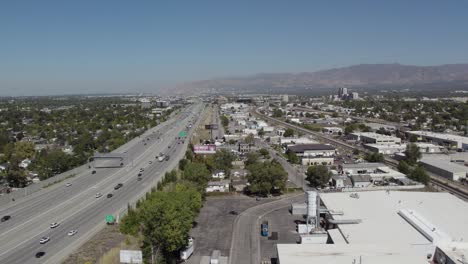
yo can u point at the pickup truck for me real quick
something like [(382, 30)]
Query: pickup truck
[(188, 251)]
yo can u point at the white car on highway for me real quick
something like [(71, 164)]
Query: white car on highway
[(72, 232), (98, 195), (68, 184), (44, 240), (54, 225)]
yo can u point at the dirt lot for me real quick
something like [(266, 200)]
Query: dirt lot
[(92, 251)]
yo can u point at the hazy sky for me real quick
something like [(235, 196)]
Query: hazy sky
[(62, 47)]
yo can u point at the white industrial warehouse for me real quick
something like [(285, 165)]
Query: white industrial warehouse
[(387, 227)]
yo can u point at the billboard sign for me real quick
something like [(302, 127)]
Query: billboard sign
[(211, 127), (131, 256), (204, 149)]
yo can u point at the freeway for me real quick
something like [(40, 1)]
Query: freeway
[(217, 133), (76, 207)]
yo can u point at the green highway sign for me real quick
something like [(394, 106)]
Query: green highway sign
[(182, 134), (109, 218)]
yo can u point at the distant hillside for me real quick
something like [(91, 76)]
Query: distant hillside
[(359, 76)]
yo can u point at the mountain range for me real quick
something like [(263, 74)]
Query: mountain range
[(356, 76)]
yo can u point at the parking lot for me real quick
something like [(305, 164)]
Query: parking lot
[(215, 224), (283, 222)]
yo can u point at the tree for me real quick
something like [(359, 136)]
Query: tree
[(197, 173), (223, 160), (4, 139), (224, 121), (252, 158), (261, 133), (182, 164), (189, 154), (277, 113), (264, 152), (374, 157), (266, 177), (404, 168), (167, 220), (16, 177), (318, 175), (24, 149), (292, 157), (412, 153), (289, 132), (413, 138), (420, 175), (349, 129), (249, 139)]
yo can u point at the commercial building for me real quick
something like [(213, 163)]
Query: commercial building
[(395, 227), (332, 130), (374, 138), (361, 180), (377, 171), (444, 168), (295, 140), (162, 104), (313, 154), (453, 141), (390, 149)]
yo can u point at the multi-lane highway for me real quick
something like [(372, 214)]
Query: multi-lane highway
[(219, 132), (77, 208)]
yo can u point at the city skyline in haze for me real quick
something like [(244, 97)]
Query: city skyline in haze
[(57, 47)]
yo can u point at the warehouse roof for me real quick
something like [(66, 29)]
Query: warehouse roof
[(305, 147), (446, 165), (443, 136), (348, 254), (381, 223)]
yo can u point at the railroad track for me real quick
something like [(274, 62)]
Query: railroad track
[(462, 194)]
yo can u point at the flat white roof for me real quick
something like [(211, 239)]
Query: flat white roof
[(346, 254), (374, 135), (443, 136), (444, 164), (336, 236), (381, 224), (387, 146)]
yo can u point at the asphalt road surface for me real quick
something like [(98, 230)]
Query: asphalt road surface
[(245, 246), (218, 133), (76, 207)]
